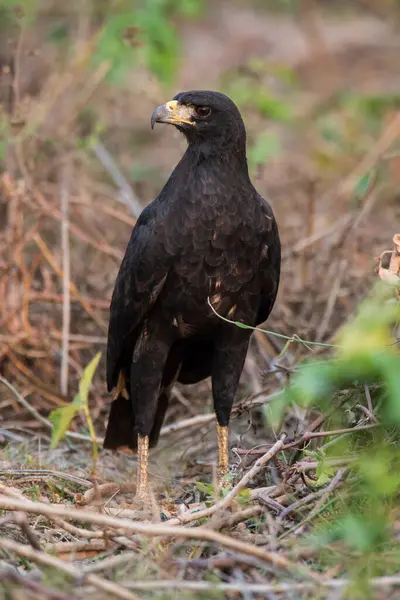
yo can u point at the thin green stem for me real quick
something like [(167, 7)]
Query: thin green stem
[(293, 338)]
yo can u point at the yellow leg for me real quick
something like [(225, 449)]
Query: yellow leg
[(223, 452), (142, 492)]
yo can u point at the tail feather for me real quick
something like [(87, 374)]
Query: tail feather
[(121, 431), (121, 425), (159, 419)]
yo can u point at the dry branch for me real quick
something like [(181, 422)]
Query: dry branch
[(156, 530), (77, 574), (10, 575), (259, 588), (66, 269)]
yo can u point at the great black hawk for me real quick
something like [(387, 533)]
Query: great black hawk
[(208, 237)]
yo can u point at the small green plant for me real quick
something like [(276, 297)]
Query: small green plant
[(207, 489), (362, 513), (243, 498), (366, 352), (62, 417), (33, 492)]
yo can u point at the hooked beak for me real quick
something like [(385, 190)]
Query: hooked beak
[(174, 113)]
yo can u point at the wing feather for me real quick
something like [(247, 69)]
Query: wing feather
[(269, 268), (140, 280)]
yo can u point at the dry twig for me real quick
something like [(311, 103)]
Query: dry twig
[(156, 530), (66, 269), (259, 588), (77, 574)]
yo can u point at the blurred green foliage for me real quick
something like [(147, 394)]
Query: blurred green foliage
[(366, 353), (265, 146), (361, 514), (260, 86), (254, 89), (128, 37), (144, 33), (127, 33), (347, 126), (121, 35)]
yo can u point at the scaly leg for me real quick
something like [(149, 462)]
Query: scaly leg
[(223, 452), (142, 491), (148, 361), (229, 356)]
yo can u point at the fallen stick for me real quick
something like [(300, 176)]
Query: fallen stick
[(10, 574), (258, 588), (158, 530), (37, 556)]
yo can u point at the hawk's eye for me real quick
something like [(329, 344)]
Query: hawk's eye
[(202, 111)]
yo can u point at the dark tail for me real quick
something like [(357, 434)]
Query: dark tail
[(121, 425), (121, 430)]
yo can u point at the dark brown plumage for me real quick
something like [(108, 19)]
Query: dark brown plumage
[(208, 235)]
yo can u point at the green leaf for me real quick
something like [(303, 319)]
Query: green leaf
[(274, 411), (61, 419), (361, 534), (390, 368), (330, 130), (154, 40), (312, 384), (205, 488), (224, 491), (379, 470), (244, 497), (12, 11), (58, 33), (273, 108), (324, 473), (112, 48), (189, 8), (160, 44), (87, 377), (363, 185), (265, 147)]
